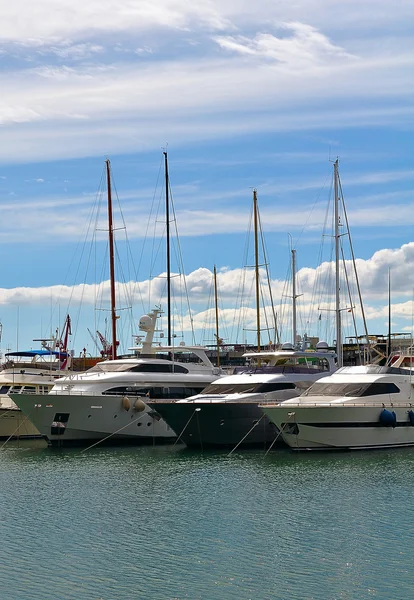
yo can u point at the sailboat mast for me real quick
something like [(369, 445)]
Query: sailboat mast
[(294, 296), (111, 259), (337, 295), (256, 255), (167, 219), (389, 318), (216, 306)]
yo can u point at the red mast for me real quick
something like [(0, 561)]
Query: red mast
[(111, 261)]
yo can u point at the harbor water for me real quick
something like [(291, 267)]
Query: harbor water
[(166, 523)]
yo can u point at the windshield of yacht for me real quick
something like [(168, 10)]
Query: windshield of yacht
[(144, 367), (304, 361), (351, 389), (246, 388), (108, 366)]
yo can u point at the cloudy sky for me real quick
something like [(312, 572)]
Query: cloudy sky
[(246, 95)]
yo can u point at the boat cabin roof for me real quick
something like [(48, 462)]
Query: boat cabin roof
[(199, 351), (33, 353), (289, 354), (373, 370)]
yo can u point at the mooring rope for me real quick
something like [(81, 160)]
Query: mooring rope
[(7, 411), (278, 435), (243, 438), (185, 426), (113, 433), (25, 418)]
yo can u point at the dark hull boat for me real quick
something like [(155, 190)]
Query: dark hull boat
[(203, 425)]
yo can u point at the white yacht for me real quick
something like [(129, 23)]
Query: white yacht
[(32, 375), (226, 413), (108, 401), (31, 372), (356, 407)]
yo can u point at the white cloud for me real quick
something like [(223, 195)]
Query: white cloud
[(73, 51), (75, 18), (202, 212), (237, 314), (373, 275), (95, 78), (292, 69), (305, 48)]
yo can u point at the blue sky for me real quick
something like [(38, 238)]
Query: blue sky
[(246, 95)]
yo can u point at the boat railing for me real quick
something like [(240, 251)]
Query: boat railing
[(299, 369), (340, 404), (96, 394)]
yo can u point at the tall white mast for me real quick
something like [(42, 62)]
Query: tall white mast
[(256, 270), (294, 296), (337, 290)]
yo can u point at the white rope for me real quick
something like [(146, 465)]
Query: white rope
[(185, 426), (255, 425), (113, 433), (278, 435), (26, 418)]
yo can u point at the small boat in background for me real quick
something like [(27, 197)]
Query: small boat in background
[(31, 372)]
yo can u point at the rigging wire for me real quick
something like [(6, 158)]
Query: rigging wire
[(269, 285), (240, 310), (355, 269)]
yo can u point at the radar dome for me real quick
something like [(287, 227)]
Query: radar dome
[(322, 346), (145, 323), (287, 346)]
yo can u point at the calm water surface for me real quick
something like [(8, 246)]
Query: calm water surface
[(169, 524)]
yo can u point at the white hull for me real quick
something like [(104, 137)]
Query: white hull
[(344, 427), (67, 419), (15, 425)]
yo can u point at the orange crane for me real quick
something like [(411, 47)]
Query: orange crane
[(106, 350)]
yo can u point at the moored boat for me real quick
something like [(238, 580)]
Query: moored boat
[(30, 372), (226, 413), (108, 401), (355, 408)]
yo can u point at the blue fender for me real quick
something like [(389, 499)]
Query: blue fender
[(388, 418)]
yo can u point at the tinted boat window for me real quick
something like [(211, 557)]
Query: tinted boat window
[(351, 389), (151, 368), (108, 366), (159, 368), (381, 388), (274, 387), (179, 369), (160, 393), (246, 388), (215, 388)]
